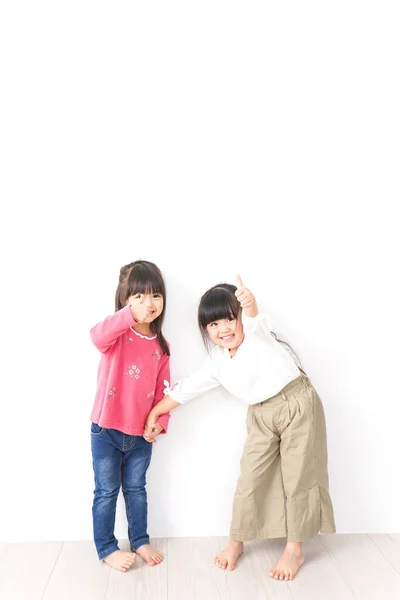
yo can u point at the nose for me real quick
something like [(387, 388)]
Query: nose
[(149, 301)]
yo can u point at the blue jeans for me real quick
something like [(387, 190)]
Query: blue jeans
[(119, 459)]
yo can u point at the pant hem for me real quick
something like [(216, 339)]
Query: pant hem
[(304, 536), (301, 536), (328, 529), (139, 543), (105, 553), (241, 536)]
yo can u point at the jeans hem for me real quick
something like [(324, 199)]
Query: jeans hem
[(139, 543), (105, 553)]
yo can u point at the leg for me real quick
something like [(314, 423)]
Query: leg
[(304, 466), (289, 563), (259, 485), (304, 472), (135, 464), (107, 460)]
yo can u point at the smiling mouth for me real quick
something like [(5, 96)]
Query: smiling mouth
[(227, 338)]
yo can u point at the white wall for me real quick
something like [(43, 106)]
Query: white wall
[(212, 139)]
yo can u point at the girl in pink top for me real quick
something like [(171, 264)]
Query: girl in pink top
[(133, 372)]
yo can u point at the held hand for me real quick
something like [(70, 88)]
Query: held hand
[(151, 432), (151, 420), (243, 294)]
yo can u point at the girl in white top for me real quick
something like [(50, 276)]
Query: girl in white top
[(282, 490)]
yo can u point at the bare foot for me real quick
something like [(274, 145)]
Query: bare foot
[(228, 558), (120, 560), (289, 563), (150, 555)]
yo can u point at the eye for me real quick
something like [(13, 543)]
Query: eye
[(231, 319), (210, 325), (156, 295), (137, 296)]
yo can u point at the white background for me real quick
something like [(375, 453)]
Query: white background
[(211, 138)]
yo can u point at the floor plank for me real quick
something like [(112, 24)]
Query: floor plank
[(349, 567), (250, 580), (389, 545), (191, 572), (366, 571), (78, 574), (319, 577), (25, 569), (141, 581)]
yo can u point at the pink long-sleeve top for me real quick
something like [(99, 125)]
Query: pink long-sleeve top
[(132, 375)]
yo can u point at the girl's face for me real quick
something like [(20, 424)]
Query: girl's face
[(148, 306), (227, 333)]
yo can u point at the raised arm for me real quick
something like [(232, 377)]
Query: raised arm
[(246, 299), (105, 334), (256, 322)]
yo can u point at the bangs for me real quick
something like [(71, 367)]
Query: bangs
[(145, 280), (217, 304)]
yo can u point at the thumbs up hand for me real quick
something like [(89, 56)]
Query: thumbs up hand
[(246, 298)]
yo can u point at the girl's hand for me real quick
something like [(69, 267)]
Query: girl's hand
[(151, 432), (151, 420), (139, 311), (246, 298)]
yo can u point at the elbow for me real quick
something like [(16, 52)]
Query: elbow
[(96, 342)]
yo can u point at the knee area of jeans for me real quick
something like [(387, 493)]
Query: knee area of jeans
[(103, 492), (133, 489)]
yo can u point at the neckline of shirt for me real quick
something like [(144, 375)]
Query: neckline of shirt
[(144, 337)]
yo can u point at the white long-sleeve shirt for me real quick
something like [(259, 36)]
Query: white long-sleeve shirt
[(260, 369)]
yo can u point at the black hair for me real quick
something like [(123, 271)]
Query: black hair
[(142, 277), (219, 302)]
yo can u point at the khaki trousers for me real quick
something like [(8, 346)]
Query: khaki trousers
[(282, 490)]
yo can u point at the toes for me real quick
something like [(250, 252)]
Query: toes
[(231, 565), (156, 559)]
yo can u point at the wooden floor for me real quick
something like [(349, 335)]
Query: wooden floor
[(338, 567)]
